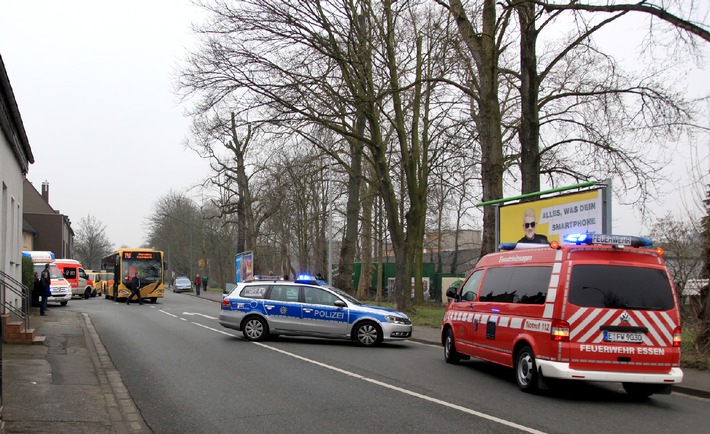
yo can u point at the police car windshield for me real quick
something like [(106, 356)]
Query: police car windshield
[(344, 295)]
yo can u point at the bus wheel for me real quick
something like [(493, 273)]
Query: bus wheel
[(154, 300), (526, 370)]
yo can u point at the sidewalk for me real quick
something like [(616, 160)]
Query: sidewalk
[(66, 385), (70, 385)]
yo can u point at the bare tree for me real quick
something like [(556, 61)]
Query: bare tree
[(353, 68), (484, 46), (91, 243), (669, 12), (175, 226), (680, 239), (703, 338)]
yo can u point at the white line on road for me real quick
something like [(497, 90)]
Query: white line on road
[(198, 314), (406, 391), (380, 383)]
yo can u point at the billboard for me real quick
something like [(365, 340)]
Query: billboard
[(549, 219), (244, 266)]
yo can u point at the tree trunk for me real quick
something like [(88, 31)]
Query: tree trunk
[(365, 280), (484, 51), (529, 133), (344, 280)]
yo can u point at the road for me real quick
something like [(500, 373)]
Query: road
[(188, 374)]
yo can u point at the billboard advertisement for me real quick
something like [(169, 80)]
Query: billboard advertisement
[(244, 266), (549, 219)]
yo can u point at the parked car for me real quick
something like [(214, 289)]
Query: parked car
[(182, 284)]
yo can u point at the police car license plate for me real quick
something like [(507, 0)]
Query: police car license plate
[(623, 337)]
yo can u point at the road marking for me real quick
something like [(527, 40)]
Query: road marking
[(377, 382), (405, 391), (198, 314)]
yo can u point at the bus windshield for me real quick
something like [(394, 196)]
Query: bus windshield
[(148, 265)]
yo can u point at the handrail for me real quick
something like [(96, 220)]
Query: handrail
[(7, 282)]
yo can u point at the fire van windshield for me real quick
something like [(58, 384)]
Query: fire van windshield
[(619, 287)]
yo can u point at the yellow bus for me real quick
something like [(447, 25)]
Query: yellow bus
[(122, 265)]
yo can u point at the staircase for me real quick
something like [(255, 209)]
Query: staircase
[(15, 332), (16, 320)]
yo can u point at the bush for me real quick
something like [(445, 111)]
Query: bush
[(28, 272)]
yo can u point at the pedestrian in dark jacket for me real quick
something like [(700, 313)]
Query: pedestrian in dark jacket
[(46, 282), (36, 291), (135, 289)]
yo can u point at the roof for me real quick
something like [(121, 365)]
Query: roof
[(11, 122)]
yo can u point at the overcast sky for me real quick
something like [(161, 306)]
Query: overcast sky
[(93, 82)]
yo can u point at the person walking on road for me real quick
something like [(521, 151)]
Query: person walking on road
[(135, 289), (198, 284), (46, 282)]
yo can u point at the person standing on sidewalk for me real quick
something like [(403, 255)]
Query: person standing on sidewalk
[(135, 289), (45, 281), (204, 283), (198, 284)]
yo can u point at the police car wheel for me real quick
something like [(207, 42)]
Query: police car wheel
[(450, 354), (526, 370), (63, 303), (255, 329), (367, 334)]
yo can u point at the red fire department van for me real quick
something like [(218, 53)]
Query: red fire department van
[(602, 308), (74, 273)]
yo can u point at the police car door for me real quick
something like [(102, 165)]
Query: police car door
[(282, 308), (320, 316)]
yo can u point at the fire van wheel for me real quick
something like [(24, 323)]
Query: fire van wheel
[(367, 334), (526, 370), (255, 329), (450, 354), (87, 293)]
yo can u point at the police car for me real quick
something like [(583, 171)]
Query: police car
[(598, 308), (308, 307)]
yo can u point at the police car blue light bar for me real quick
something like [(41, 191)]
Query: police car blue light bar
[(608, 239)]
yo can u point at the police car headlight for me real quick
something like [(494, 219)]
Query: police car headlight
[(397, 319)]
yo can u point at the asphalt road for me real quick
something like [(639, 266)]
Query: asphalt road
[(188, 374)]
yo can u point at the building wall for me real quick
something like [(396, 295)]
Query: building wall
[(10, 213), (54, 232), (15, 158), (27, 241)]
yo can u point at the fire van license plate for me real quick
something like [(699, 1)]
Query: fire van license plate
[(636, 338)]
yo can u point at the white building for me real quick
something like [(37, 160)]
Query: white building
[(15, 158)]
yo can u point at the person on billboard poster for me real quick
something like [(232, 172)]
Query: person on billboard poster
[(529, 222)]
